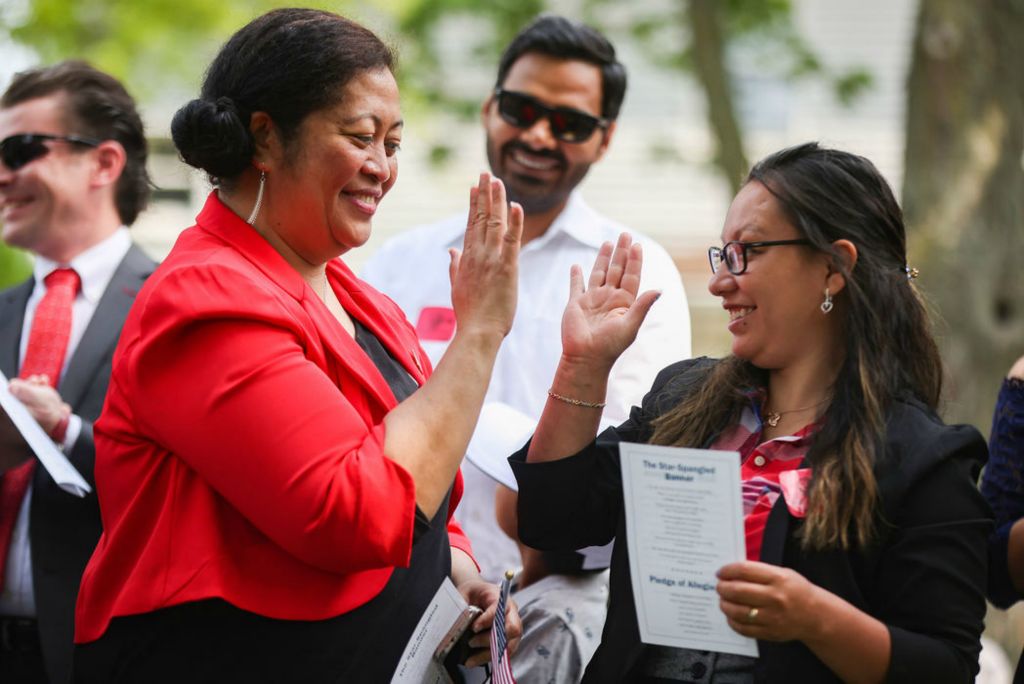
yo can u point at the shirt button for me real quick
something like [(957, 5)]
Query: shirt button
[(759, 460), (698, 670)]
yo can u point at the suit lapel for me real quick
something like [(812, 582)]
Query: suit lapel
[(345, 351), (341, 349), (400, 343), (12, 314), (776, 531), (104, 329)]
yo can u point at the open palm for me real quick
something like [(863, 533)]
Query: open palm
[(602, 319)]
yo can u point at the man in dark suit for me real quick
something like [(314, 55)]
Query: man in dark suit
[(72, 178)]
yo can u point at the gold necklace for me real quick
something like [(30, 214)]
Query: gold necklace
[(772, 418)]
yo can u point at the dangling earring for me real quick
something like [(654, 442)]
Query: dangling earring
[(826, 305), (259, 198)]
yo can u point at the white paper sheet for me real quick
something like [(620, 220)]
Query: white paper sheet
[(684, 521), (55, 462), (417, 665)]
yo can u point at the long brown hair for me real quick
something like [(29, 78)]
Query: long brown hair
[(890, 354)]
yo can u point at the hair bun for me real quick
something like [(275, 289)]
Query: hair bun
[(213, 136)]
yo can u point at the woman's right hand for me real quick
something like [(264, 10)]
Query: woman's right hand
[(602, 319), (484, 274), (427, 434)]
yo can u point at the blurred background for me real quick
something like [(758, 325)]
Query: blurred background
[(931, 90)]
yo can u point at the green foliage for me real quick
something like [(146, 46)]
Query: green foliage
[(482, 30), (149, 44), (156, 46), (14, 266), (760, 35), (161, 46), (850, 85)]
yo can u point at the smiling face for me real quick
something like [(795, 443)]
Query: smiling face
[(774, 307), (325, 185), (46, 205), (539, 170)]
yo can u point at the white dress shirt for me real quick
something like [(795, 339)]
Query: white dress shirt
[(412, 269), (95, 268)]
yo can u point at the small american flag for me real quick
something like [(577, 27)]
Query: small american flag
[(501, 669)]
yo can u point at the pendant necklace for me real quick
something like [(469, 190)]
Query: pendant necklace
[(772, 418)]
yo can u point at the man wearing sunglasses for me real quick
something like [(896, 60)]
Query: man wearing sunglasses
[(72, 177), (550, 116)]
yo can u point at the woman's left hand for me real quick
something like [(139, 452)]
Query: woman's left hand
[(484, 595), (769, 602)]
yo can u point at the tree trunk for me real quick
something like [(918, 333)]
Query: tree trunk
[(708, 49), (963, 193)]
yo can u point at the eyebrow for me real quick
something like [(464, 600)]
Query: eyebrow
[(373, 117), (747, 229)]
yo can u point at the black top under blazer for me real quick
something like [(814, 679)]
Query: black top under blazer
[(924, 576)]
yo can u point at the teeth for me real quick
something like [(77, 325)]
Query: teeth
[(736, 314), (530, 162)]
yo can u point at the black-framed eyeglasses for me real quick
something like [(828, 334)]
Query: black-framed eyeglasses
[(567, 124), (734, 253), (18, 150)]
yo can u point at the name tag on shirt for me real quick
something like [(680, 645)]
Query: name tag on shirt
[(436, 324)]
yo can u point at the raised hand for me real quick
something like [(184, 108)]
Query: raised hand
[(484, 274), (602, 319)]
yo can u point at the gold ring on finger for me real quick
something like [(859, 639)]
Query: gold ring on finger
[(752, 614)]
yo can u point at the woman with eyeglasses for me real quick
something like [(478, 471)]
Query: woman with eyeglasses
[(865, 534), (277, 466)]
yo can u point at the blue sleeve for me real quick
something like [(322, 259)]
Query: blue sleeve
[(1003, 485)]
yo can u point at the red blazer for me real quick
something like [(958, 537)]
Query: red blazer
[(240, 453)]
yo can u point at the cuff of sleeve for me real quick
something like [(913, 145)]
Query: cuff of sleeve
[(461, 542), (541, 487), (1001, 591), (542, 481), (74, 429), (920, 658)]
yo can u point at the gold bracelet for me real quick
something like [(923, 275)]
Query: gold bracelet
[(576, 402)]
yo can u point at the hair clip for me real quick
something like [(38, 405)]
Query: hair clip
[(911, 272)]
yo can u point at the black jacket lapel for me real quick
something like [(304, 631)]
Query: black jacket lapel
[(12, 316)]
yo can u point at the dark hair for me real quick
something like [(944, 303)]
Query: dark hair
[(287, 63), (98, 107), (562, 38), (830, 195)]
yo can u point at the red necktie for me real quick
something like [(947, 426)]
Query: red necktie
[(44, 355)]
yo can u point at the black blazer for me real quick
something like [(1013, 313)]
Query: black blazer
[(924, 576), (63, 528)]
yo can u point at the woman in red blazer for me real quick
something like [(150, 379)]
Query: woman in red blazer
[(276, 465)]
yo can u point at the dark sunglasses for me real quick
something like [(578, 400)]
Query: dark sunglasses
[(567, 124), (18, 150)]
